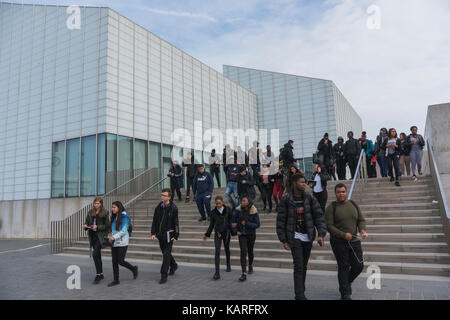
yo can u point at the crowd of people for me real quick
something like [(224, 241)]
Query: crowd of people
[(301, 216), (396, 154)]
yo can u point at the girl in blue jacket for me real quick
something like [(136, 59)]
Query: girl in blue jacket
[(244, 223)]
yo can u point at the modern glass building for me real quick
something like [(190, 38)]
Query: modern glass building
[(89, 99), (302, 108)]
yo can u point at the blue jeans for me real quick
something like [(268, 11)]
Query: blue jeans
[(381, 159), (232, 187), (204, 201)]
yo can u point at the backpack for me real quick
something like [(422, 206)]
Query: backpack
[(130, 229), (334, 207)]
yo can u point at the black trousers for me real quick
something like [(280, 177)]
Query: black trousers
[(349, 267), (168, 260), (267, 190), (255, 170), (322, 197), (371, 168), (340, 168), (300, 253), (224, 237), (215, 171), (246, 243), (96, 251), (174, 187), (118, 258), (393, 163), (189, 185), (352, 160)]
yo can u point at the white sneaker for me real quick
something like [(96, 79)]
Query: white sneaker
[(414, 178)]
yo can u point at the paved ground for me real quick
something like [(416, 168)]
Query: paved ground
[(35, 274)]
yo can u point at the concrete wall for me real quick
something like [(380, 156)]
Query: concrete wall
[(438, 131), (31, 218)]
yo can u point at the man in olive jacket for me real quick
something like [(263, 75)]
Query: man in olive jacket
[(344, 219), (299, 215), (165, 228)]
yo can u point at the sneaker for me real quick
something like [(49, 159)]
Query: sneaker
[(264, 209), (391, 179), (414, 178), (163, 280), (346, 297), (114, 283), (216, 276), (102, 276), (228, 268), (201, 219), (243, 277), (270, 210), (135, 272), (420, 173), (187, 200), (97, 280), (250, 269), (397, 183), (172, 270)]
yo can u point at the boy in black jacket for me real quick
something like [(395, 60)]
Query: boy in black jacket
[(165, 227), (299, 215), (221, 222)]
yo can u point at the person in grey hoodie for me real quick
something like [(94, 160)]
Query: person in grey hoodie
[(415, 143)]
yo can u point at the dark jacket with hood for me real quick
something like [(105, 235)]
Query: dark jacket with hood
[(421, 141), (288, 155), (287, 218), (103, 225), (191, 166), (177, 179), (165, 218), (233, 173), (203, 184), (251, 217), (220, 222), (338, 151), (248, 188), (352, 147), (325, 149)]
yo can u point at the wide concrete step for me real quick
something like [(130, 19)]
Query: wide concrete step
[(328, 265), (407, 237), (368, 213), (270, 226), (392, 246), (317, 253), (271, 218)]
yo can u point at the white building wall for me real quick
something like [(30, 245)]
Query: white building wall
[(163, 88), (346, 117), (52, 87)]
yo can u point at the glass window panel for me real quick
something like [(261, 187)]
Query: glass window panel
[(154, 157), (58, 169), (111, 162), (101, 163), (72, 167), (125, 165), (87, 187), (141, 156)]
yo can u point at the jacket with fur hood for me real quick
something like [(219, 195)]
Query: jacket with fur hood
[(251, 218)]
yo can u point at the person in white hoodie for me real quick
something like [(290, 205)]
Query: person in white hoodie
[(119, 240)]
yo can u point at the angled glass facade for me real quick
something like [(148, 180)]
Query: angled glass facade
[(302, 108)]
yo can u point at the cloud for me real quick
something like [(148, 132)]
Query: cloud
[(390, 75), (181, 14)]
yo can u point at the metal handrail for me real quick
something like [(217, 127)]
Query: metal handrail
[(358, 176), (64, 232), (444, 209), (434, 169)]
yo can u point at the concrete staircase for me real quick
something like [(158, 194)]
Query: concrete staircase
[(404, 226)]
